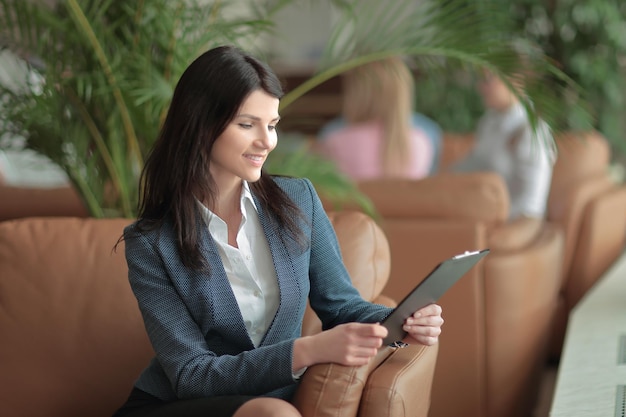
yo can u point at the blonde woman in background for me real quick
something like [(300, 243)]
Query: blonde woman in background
[(379, 137)]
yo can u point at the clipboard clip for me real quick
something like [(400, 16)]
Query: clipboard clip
[(466, 253), (398, 345)]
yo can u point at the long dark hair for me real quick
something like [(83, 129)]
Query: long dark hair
[(206, 99)]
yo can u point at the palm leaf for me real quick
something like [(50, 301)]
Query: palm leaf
[(109, 69), (437, 35)]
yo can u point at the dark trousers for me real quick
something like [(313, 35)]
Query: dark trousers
[(142, 404)]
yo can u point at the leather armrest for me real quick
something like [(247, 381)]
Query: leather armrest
[(602, 240), (402, 385), (395, 382), (521, 292), (516, 234), (566, 207), (331, 389)]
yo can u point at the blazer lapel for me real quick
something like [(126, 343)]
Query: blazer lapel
[(283, 263), (225, 305)]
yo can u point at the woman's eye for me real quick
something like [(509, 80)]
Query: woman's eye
[(271, 128), (245, 125)]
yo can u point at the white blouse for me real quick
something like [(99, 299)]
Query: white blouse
[(249, 267)]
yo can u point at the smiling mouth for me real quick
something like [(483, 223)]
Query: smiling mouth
[(254, 158)]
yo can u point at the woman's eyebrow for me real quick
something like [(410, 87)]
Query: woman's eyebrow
[(255, 118)]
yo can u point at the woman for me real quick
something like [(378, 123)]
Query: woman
[(223, 258), (382, 137)]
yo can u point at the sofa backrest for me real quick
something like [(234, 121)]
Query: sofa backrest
[(580, 174), (18, 202), (480, 197), (364, 249), (73, 337), (580, 155)]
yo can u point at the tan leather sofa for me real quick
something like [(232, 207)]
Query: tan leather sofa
[(587, 204), (73, 339), (498, 316)]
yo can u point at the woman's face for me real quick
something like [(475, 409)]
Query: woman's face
[(241, 150), (495, 94)]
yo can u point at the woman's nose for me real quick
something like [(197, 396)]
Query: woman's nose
[(267, 139)]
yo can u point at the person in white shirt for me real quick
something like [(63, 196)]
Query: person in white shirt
[(507, 144), (224, 257)]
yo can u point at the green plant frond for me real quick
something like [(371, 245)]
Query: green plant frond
[(86, 192), (98, 10), (19, 23), (433, 35), (331, 72), (405, 23), (84, 26), (173, 40), (110, 68), (503, 63), (103, 152), (158, 90)]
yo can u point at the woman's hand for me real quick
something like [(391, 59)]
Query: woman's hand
[(424, 326), (350, 344)]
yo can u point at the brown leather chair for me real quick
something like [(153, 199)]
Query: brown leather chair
[(586, 203), (73, 340), (499, 315)]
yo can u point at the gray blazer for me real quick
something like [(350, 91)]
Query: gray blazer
[(194, 323)]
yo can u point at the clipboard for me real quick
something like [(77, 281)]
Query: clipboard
[(429, 290)]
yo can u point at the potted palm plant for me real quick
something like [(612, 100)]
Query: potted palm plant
[(109, 69)]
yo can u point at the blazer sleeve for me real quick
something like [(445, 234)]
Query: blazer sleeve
[(332, 296)]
